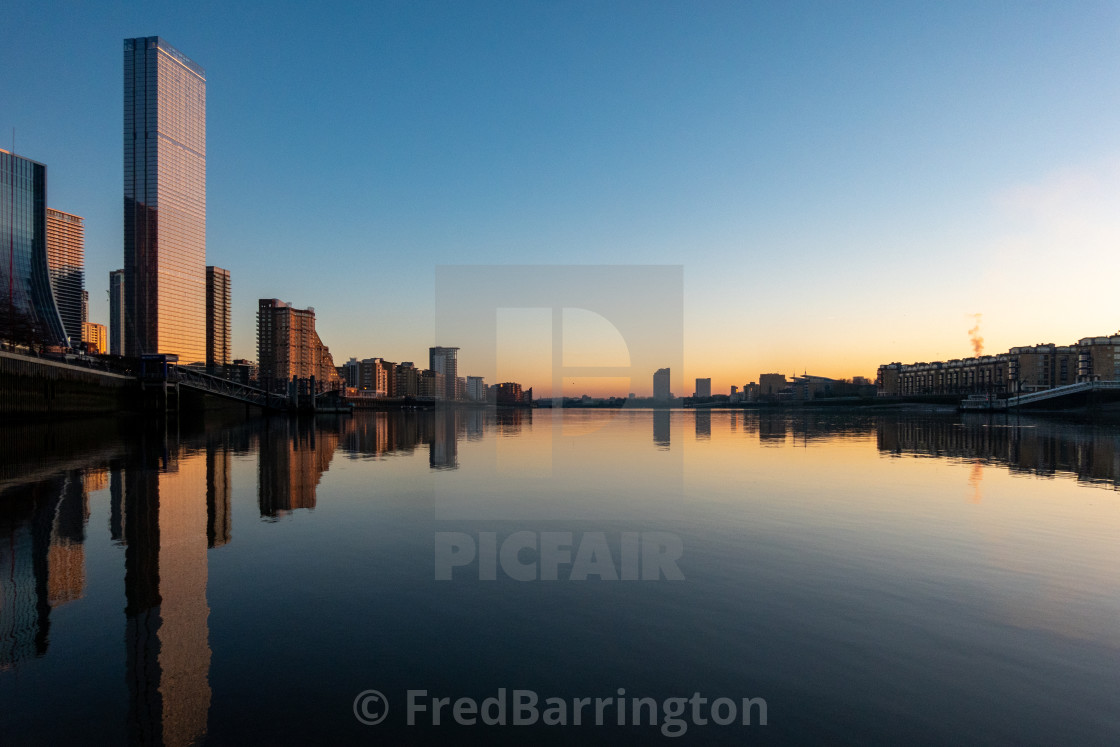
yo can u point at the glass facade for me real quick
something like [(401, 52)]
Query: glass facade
[(66, 259), (164, 201), (116, 312), (28, 314), (445, 361)]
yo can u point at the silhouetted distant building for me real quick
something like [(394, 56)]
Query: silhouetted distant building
[(510, 393), (243, 371), (772, 384), (661, 385), (703, 388)]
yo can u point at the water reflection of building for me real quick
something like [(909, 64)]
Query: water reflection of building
[(510, 422), (42, 560), (475, 422), (167, 628), (219, 522), (661, 421), (1037, 447), (292, 458), (443, 449), (772, 428), (703, 424), (377, 434), (116, 504)]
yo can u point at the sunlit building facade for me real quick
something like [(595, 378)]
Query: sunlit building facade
[(1020, 370), (66, 262), (96, 338), (28, 314), (164, 201), (289, 347)]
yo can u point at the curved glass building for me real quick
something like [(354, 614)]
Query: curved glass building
[(28, 313)]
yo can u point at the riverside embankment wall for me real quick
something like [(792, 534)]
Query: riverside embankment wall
[(35, 386)]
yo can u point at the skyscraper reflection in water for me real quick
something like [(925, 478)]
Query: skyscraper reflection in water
[(661, 430), (167, 628), (443, 449), (294, 454), (703, 425), (42, 560)]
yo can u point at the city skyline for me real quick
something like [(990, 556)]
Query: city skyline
[(967, 145)]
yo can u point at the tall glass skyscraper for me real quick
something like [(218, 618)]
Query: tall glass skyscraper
[(164, 201), (116, 312), (28, 314)]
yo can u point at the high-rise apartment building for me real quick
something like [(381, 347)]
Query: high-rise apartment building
[(288, 346), (217, 316), (661, 384), (116, 312), (408, 380), (476, 389), (164, 201), (703, 388), (96, 337), (66, 262), (28, 313), (444, 361)]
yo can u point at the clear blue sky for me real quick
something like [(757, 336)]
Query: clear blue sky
[(844, 183)]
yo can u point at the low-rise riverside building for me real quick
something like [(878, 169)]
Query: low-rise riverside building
[(1019, 370)]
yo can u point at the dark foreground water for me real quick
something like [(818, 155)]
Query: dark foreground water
[(842, 577)]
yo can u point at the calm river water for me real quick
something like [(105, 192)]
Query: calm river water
[(844, 577)]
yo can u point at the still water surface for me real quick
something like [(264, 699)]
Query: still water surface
[(885, 577)]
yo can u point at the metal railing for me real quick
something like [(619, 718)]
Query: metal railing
[(1061, 391), (229, 389)]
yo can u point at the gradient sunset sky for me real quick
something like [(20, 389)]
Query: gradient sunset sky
[(844, 184)]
